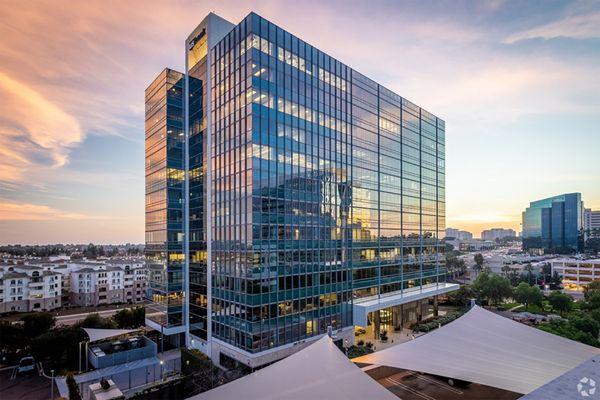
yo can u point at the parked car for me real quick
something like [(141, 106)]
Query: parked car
[(26, 364)]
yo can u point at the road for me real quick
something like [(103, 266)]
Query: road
[(74, 318), (25, 386)]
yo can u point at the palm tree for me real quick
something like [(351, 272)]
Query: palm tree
[(478, 258), (529, 269)]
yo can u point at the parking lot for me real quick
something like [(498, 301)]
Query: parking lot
[(30, 386), (409, 385)]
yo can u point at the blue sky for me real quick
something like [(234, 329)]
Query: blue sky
[(518, 84)]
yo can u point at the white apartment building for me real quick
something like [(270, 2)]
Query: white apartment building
[(64, 283), (575, 273), (29, 288)]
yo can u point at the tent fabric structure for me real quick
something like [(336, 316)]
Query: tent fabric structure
[(100, 334), (319, 371), (488, 349)]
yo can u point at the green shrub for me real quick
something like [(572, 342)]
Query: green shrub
[(434, 323)]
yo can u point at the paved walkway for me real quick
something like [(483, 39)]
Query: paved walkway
[(394, 337)]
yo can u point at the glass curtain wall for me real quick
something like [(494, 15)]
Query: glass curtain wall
[(198, 302), (326, 187), (165, 198)]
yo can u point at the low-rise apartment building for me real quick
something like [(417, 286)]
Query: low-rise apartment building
[(29, 288), (32, 285), (115, 281)]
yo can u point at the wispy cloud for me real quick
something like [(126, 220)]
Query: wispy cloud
[(35, 132), (12, 211), (74, 73), (583, 26)]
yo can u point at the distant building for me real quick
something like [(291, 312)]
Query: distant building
[(29, 288), (464, 235), (42, 285), (554, 224), (458, 234), (591, 223), (452, 233), (498, 233), (99, 283), (576, 273)]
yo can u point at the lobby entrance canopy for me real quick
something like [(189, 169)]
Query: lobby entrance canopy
[(319, 371), (362, 307), (488, 349)]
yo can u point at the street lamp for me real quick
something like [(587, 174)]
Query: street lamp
[(161, 370), (52, 385)]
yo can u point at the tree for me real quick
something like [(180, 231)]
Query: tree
[(37, 323), (96, 321), (139, 316), (592, 245), (590, 288), (124, 319), (526, 294), (498, 289), (130, 318), (585, 323), (493, 288), (462, 296), (58, 348), (480, 285), (478, 258), (455, 265), (593, 301), (560, 302), (566, 329), (13, 337), (529, 269)]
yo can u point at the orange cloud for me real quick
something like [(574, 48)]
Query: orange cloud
[(11, 211), (34, 131)]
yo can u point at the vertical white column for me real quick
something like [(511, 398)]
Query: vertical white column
[(186, 207), (208, 183)]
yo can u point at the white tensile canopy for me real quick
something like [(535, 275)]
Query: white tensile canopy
[(489, 349), (100, 334), (319, 371)]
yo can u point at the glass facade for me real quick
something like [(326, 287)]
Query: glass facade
[(326, 188), (554, 224), (198, 179), (165, 195)]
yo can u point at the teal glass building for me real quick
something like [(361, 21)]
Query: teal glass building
[(316, 196), (554, 225)]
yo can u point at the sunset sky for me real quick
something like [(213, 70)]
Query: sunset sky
[(518, 84)]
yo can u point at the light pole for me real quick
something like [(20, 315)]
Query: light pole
[(52, 385), (161, 370)]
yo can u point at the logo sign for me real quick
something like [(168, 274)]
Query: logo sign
[(586, 387), (196, 39)]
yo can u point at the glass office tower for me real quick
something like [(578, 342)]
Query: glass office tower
[(315, 196), (554, 225), (165, 195)]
